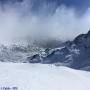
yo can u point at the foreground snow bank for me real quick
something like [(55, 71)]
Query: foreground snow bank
[(42, 77)]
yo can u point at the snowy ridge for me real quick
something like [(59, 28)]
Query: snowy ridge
[(74, 54)]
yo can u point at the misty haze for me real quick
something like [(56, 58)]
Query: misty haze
[(19, 21), (44, 44)]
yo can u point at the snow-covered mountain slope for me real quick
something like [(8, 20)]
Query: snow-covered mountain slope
[(18, 53), (42, 77), (74, 54)]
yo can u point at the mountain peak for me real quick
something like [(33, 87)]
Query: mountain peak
[(83, 39), (88, 34)]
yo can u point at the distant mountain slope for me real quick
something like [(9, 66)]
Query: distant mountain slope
[(74, 54)]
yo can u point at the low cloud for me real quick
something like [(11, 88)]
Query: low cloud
[(18, 22)]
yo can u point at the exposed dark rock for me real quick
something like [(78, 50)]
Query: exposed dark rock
[(34, 59)]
